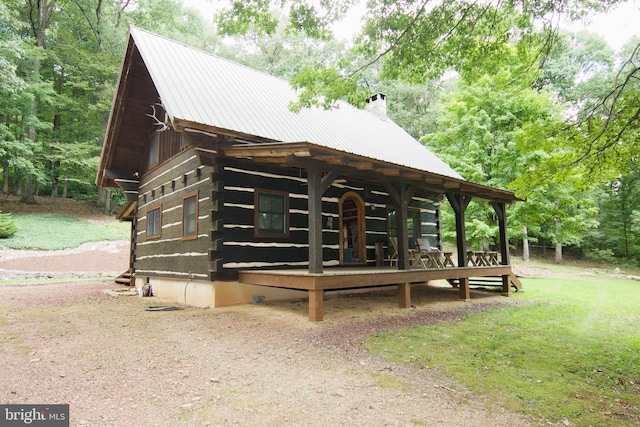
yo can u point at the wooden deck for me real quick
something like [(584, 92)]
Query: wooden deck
[(352, 278)]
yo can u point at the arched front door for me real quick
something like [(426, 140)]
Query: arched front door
[(352, 229)]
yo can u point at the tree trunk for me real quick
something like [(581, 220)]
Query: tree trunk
[(104, 199), (5, 177), (64, 188), (28, 196), (525, 244), (558, 253), (40, 17)]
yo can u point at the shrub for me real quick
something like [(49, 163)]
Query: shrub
[(7, 226), (600, 255)]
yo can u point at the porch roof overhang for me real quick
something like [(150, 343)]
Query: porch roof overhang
[(306, 154)]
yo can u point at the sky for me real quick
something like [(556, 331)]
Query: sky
[(617, 26)]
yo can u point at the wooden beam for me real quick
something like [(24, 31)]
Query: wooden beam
[(332, 160), (393, 192), (314, 179), (240, 151), (459, 204), (433, 180), (327, 180), (389, 171), (366, 166), (335, 279), (506, 282), (206, 156), (414, 176), (471, 188), (465, 294), (501, 212), (404, 295), (316, 305)]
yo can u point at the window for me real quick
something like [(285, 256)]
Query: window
[(154, 150), (154, 222), (190, 216), (272, 211), (413, 224)]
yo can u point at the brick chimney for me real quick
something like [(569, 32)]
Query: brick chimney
[(377, 104)]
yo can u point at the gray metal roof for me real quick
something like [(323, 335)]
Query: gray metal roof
[(202, 88)]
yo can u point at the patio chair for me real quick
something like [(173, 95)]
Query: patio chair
[(435, 258), (414, 254), (394, 255)]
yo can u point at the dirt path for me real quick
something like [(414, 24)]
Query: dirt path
[(119, 365)]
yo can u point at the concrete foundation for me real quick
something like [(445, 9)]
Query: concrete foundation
[(205, 294)]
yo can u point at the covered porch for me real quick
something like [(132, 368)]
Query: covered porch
[(322, 167), (333, 279)]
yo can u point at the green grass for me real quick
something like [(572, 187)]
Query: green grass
[(572, 351), (53, 232)]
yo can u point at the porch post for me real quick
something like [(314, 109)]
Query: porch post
[(505, 285), (401, 198), (315, 220), (403, 240), (464, 291), (316, 305), (404, 295), (459, 204), (501, 212), (317, 185)]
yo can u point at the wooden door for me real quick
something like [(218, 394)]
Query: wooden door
[(352, 229)]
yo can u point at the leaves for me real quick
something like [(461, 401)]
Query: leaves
[(323, 88)]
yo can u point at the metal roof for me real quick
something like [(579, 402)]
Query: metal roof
[(199, 87)]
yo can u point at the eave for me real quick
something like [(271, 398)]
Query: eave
[(304, 154)]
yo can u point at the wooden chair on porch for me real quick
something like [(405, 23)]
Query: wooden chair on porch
[(433, 257), (415, 258)]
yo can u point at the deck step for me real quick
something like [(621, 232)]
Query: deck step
[(514, 282), (125, 278)]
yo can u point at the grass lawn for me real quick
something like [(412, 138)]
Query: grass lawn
[(49, 232), (570, 351)]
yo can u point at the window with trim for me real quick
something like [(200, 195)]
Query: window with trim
[(190, 216), (271, 213), (154, 222)]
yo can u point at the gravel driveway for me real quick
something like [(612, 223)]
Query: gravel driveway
[(117, 364)]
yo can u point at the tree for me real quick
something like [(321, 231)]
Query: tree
[(40, 13), (416, 41), (619, 206), (284, 53), (21, 90), (7, 226), (492, 131), (170, 19)]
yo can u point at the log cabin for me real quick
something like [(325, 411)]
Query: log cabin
[(235, 198)]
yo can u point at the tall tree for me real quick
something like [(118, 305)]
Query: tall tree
[(414, 41), (21, 90), (40, 13), (480, 133)]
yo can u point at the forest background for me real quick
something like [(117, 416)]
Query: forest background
[(497, 89)]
